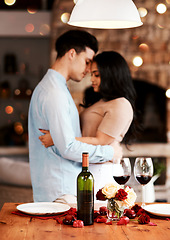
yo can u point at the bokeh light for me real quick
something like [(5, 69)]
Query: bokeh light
[(9, 109), (65, 17), (142, 11), (137, 61), (144, 47), (17, 92), (44, 29), (28, 92), (161, 8), (167, 93), (29, 27), (18, 128), (160, 26), (31, 10), (135, 37), (9, 2)]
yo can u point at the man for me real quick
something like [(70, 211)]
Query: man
[(54, 169)]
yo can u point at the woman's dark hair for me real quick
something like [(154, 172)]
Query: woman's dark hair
[(77, 39), (116, 82), (90, 97)]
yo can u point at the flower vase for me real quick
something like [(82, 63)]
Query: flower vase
[(114, 212)]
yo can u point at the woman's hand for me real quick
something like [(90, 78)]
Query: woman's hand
[(46, 139)]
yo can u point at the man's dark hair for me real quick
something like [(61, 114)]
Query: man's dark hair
[(77, 39)]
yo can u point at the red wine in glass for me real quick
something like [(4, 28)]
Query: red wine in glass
[(121, 179), (122, 171), (143, 179)]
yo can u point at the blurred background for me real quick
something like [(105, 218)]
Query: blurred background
[(28, 30)]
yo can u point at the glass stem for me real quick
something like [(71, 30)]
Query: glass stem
[(143, 196)]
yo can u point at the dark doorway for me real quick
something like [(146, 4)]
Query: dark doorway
[(151, 106)]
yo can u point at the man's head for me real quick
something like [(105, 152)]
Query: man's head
[(76, 49), (75, 39)]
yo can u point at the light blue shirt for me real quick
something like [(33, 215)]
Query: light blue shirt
[(54, 169)]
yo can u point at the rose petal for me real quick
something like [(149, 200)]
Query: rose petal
[(100, 220), (78, 224), (123, 221), (109, 223), (59, 220), (152, 224)]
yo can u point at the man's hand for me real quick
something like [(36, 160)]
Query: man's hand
[(118, 151)]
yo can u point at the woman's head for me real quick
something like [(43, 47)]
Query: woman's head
[(110, 72)]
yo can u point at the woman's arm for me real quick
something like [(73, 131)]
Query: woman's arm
[(100, 139)]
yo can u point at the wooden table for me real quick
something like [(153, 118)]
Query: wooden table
[(13, 227)]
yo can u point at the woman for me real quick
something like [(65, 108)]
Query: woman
[(112, 118)]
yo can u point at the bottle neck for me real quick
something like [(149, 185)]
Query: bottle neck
[(85, 161), (85, 169)]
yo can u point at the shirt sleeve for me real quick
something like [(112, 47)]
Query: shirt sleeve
[(59, 112), (117, 119)]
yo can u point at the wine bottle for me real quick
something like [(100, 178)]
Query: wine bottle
[(85, 193)]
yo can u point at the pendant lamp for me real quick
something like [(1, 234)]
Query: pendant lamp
[(105, 14)]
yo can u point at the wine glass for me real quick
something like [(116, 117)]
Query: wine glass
[(122, 171), (143, 171)]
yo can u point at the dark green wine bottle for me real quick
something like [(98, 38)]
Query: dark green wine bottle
[(85, 193)]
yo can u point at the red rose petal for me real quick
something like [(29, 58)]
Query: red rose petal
[(109, 223), (100, 220), (78, 224), (123, 221)]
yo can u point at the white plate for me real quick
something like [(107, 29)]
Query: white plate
[(158, 209), (43, 208)]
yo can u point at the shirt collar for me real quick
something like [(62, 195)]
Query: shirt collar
[(58, 77)]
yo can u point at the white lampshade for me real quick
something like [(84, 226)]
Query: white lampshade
[(105, 14)]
